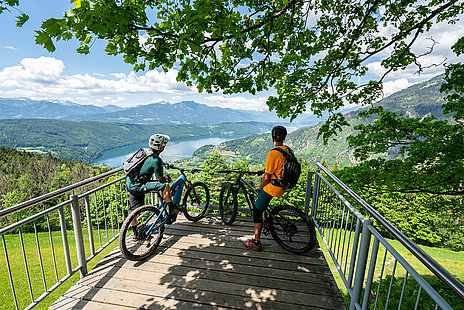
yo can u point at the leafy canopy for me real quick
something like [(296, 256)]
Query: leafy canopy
[(311, 52)]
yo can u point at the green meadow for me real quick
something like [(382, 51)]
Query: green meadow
[(51, 274), (450, 260)]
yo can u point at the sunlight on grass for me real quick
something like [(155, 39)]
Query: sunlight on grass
[(18, 269), (450, 260)]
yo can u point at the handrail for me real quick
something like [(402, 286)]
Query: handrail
[(420, 254), (37, 200)]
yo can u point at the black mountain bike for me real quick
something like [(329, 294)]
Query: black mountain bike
[(152, 220), (289, 226)]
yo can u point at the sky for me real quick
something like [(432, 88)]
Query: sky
[(28, 70)]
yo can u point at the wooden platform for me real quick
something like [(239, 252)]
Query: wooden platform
[(204, 265)]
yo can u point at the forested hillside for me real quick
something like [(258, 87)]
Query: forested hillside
[(24, 176), (84, 141), (416, 101)]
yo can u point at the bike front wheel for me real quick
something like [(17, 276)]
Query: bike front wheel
[(228, 203), (196, 201), (292, 229), (140, 243)]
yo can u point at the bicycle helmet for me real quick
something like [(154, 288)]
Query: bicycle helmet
[(279, 133), (157, 141)]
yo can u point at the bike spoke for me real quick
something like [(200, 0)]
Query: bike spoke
[(196, 201), (138, 244), (292, 229)]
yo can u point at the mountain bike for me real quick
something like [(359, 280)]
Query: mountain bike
[(140, 243), (289, 226)]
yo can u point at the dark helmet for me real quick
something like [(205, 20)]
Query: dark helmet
[(279, 133)]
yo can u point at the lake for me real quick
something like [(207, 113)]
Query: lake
[(175, 150)]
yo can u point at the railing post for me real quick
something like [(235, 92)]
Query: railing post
[(64, 237), (309, 190), (361, 263), (76, 216), (89, 224), (315, 199)]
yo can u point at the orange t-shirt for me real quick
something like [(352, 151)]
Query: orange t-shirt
[(274, 162)]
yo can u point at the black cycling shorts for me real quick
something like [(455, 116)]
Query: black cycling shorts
[(136, 201)]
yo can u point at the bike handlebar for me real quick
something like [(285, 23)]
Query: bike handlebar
[(242, 172), (194, 170)]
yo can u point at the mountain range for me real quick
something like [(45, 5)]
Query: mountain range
[(184, 112), (419, 100), (87, 138)]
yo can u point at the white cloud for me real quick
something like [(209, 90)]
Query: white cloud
[(11, 48), (391, 87), (45, 77), (238, 102), (443, 34)]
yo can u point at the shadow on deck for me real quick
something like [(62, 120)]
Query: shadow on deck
[(205, 265)]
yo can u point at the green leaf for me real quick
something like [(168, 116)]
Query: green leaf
[(42, 38), (21, 20), (84, 49)]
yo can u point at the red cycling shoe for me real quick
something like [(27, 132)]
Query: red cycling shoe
[(253, 245)]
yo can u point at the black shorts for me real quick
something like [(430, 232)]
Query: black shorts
[(136, 200)]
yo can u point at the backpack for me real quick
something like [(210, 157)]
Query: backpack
[(291, 169), (133, 164)]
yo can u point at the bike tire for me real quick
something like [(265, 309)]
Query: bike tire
[(134, 249), (292, 229), (228, 203), (196, 201)]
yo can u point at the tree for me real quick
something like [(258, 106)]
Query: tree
[(311, 52)]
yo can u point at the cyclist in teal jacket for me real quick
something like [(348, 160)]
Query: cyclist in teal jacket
[(153, 165)]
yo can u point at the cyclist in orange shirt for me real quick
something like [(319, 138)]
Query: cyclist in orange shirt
[(269, 186)]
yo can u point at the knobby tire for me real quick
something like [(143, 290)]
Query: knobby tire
[(292, 229), (196, 201), (228, 205), (137, 250)]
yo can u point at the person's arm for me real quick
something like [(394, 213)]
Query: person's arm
[(164, 179), (265, 180)]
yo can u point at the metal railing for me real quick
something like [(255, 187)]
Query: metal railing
[(354, 244), (93, 216)]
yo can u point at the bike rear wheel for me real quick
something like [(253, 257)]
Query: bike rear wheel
[(292, 229), (141, 243), (228, 203), (196, 201)]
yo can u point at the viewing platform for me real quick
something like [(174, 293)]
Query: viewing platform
[(204, 265)]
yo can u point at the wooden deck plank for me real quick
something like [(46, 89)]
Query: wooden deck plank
[(205, 265)]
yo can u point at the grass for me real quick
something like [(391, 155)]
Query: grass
[(450, 260), (18, 269)]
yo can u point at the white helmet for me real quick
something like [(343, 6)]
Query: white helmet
[(157, 141)]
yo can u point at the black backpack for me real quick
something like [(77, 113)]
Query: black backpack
[(291, 169), (132, 165)]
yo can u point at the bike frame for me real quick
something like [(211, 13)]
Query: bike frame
[(176, 190), (246, 187)]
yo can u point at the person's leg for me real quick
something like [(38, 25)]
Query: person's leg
[(258, 228), (262, 202), (167, 194), (135, 201)]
